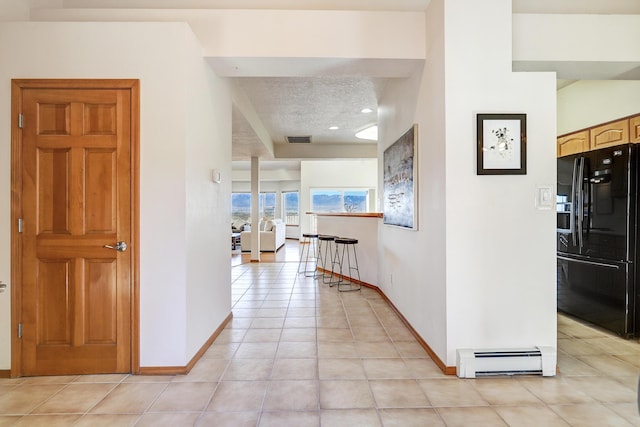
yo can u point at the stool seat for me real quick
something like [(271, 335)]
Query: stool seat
[(312, 235), (326, 237), (346, 241)]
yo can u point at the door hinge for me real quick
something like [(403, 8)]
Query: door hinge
[(20, 120), (19, 330), (19, 225)]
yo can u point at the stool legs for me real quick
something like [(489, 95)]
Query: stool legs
[(344, 265), (324, 241), (349, 266), (308, 264), (329, 261)]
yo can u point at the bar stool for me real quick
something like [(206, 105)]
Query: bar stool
[(310, 259), (325, 242), (349, 249)]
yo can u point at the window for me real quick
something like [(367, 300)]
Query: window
[(267, 206), (334, 200), (355, 201), (241, 206), (290, 207)]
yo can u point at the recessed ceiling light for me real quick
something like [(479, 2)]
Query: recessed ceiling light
[(366, 110), (334, 128), (370, 133)]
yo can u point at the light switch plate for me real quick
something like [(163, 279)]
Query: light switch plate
[(544, 197)]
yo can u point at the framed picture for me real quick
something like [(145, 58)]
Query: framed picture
[(502, 144), (400, 181)]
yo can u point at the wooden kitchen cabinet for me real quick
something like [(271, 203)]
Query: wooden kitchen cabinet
[(634, 129), (573, 143), (610, 134)]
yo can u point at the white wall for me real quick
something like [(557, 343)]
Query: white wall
[(589, 38), (483, 272), (163, 56), (19, 10), (229, 35), (208, 204), (506, 293), (412, 267), (590, 102), (333, 174), (387, 34)]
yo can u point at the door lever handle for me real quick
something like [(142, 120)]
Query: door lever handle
[(120, 246)]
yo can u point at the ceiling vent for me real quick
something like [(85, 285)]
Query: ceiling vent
[(298, 139)]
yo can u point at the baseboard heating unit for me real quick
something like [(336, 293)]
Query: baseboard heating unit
[(472, 363)]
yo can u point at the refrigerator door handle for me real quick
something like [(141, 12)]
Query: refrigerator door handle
[(579, 261), (572, 214), (580, 188)]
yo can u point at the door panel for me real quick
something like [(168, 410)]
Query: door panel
[(53, 167), (100, 301), (598, 293), (53, 119), (76, 198), (607, 235), (567, 204), (564, 201), (100, 206), (54, 322)]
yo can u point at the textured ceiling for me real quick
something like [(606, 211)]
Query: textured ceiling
[(309, 106), (305, 106), (245, 143)]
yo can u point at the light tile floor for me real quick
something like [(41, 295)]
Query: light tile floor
[(300, 354)]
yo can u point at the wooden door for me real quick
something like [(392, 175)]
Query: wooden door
[(76, 199)]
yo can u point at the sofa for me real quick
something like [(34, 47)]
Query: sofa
[(273, 234), (239, 225)]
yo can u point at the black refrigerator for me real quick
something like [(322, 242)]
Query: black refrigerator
[(597, 236)]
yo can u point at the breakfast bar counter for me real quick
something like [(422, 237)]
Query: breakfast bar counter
[(362, 226)]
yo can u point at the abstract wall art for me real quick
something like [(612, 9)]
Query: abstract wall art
[(400, 181)]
